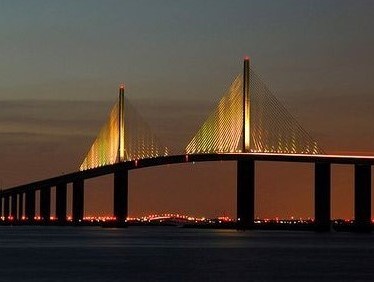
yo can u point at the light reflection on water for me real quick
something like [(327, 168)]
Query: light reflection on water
[(177, 254)]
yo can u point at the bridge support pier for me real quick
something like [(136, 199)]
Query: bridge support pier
[(20, 206), (13, 213), (245, 194), (322, 197), (45, 204), (30, 205), (78, 200), (61, 202), (6, 207), (120, 200), (1, 207), (362, 198)]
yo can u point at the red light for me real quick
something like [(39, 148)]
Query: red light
[(122, 86), (246, 58)]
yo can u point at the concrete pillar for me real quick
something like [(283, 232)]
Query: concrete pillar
[(61, 202), (30, 204), (13, 212), (6, 207), (78, 200), (363, 198), (322, 196), (245, 194), (1, 207), (45, 204), (20, 206), (120, 201)]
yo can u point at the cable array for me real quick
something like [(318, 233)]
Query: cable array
[(272, 128), (221, 131), (104, 150), (140, 142)]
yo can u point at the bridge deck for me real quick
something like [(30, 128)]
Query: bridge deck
[(179, 159)]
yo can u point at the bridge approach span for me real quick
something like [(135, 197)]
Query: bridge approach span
[(180, 159)]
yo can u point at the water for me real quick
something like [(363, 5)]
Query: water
[(176, 254)]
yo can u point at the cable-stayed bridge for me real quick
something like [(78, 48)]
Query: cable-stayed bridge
[(249, 124)]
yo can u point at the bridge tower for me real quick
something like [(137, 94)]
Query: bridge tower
[(120, 184), (245, 182)]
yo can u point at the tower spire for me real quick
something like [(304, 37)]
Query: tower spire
[(121, 123), (246, 107)]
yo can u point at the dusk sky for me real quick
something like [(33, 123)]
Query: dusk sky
[(61, 63)]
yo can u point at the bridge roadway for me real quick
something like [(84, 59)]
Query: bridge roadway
[(245, 186)]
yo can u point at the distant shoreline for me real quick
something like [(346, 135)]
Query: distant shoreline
[(287, 225)]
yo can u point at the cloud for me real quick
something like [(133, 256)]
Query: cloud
[(51, 118)]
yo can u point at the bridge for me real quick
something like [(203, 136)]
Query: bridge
[(248, 125)]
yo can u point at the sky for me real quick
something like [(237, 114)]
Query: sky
[(61, 63)]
